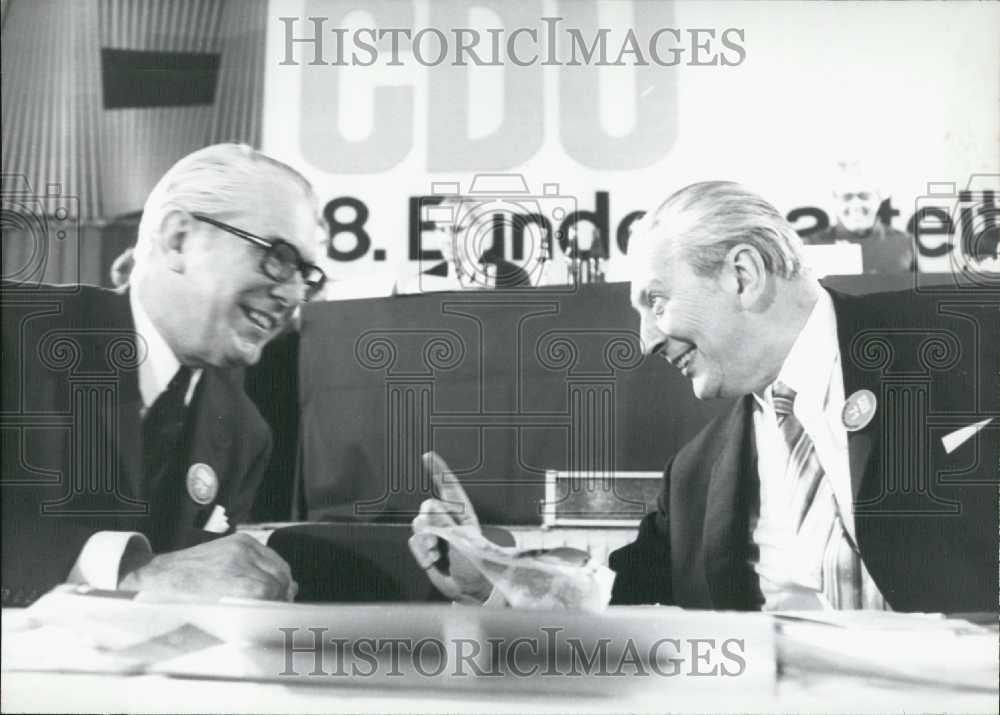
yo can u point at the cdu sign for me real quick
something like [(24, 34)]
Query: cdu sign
[(419, 87)]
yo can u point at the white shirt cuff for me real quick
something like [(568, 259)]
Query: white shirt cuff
[(101, 557)]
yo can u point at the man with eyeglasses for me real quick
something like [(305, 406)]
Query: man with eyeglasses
[(163, 451)]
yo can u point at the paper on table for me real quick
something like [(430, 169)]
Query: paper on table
[(79, 629), (535, 579), (531, 581), (880, 620), (68, 650), (54, 648), (900, 647), (246, 640)]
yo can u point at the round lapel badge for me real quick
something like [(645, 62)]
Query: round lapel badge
[(202, 483), (858, 410)]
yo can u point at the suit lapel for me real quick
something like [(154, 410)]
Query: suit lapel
[(129, 431), (861, 445), (212, 435), (734, 486), (732, 491)]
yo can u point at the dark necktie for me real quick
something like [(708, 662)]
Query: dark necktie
[(163, 425)]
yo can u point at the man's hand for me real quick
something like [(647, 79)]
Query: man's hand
[(463, 582), (236, 565)]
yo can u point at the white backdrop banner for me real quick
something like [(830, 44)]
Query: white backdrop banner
[(595, 111)]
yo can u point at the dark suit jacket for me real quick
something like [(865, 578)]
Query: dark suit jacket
[(72, 438), (926, 521)]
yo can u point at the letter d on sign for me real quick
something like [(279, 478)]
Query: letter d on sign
[(323, 141)]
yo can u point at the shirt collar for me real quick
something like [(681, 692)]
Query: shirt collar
[(160, 363), (813, 356)]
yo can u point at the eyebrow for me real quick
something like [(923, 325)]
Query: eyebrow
[(301, 249), (641, 298)]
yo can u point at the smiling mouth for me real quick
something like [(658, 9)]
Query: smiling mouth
[(264, 321), (682, 361)]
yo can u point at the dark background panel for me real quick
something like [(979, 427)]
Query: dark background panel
[(521, 384), (145, 78), (331, 417)]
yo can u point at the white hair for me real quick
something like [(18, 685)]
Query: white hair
[(216, 179), (705, 220)]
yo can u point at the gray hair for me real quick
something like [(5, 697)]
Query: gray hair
[(707, 219), (212, 180)]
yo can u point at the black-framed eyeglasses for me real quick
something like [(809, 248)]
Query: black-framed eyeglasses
[(280, 260)]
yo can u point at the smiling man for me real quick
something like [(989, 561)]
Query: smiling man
[(163, 450), (857, 198), (857, 468)]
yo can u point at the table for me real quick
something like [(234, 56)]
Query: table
[(20, 692), (780, 676)]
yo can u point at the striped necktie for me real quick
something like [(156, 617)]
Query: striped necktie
[(803, 471), (817, 517)]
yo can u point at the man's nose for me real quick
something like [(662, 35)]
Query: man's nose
[(650, 333), (291, 292)]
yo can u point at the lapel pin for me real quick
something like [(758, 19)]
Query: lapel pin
[(202, 483), (858, 410)]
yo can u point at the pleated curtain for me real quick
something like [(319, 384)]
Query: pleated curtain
[(76, 164)]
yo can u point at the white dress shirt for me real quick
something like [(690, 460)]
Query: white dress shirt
[(160, 365), (790, 569), (100, 560)]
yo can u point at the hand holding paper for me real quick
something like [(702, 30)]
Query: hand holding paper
[(463, 581), (560, 578)]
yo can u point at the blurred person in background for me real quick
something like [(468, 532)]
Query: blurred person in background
[(858, 199)]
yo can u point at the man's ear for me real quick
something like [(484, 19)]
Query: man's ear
[(750, 274), (174, 237)]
